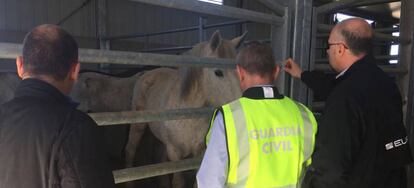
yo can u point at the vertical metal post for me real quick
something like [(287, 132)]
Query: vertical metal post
[(301, 48), (102, 29), (406, 82), (280, 41), (406, 30), (312, 58), (200, 29), (242, 27)]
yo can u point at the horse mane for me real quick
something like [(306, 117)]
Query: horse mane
[(190, 80), (190, 74)]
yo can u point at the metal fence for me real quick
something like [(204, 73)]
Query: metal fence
[(302, 48), (105, 56)]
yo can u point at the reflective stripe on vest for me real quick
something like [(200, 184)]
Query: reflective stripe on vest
[(272, 143), (308, 140), (284, 186)]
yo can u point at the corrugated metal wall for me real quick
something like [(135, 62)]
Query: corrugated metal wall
[(131, 17), (124, 17), (22, 15), (17, 17)]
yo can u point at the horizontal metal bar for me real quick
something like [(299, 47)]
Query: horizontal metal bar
[(142, 172), (377, 35), (11, 51), (128, 117), (266, 41), (193, 28), (345, 4), (387, 30), (387, 68), (274, 7), (168, 49), (318, 106), (335, 6), (230, 23), (328, 28), (216, 10), (378, 57), (379, 30), (152, 34), (386, 37), (374, 2), (189, 47)]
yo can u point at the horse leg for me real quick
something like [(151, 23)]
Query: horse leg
[(136, 132), (178, 180), (164, 181)]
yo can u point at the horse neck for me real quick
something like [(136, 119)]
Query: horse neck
[(191, 90)]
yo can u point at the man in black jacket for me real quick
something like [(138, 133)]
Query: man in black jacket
[(44, 141), (361, 139)]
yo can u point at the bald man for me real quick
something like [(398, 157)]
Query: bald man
[(361, 141), (44, 141)]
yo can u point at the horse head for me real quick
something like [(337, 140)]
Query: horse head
[(100, 92), (83, 92), (217, 85)]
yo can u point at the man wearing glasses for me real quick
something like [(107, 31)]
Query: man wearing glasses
[(361, 139)]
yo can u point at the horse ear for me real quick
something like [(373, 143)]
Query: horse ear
[(238, 41), (215, 40)]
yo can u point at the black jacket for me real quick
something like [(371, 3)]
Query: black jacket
[(361, 140), (45, 142)]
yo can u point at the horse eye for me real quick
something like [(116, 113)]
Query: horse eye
[(219, 73)]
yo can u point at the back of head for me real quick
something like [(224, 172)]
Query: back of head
[(257, 58), (50, 51), (357, 34)]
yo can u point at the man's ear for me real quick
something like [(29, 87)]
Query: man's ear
[(240, 73), (19, 66), (74, 72), (341, 50), (275, 72)]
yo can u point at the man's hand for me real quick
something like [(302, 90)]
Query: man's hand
[(292, 68)]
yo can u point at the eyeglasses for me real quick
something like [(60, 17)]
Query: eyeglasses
[(338, 43)]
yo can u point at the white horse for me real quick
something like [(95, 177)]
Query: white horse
[(167, 88), (101, 92)]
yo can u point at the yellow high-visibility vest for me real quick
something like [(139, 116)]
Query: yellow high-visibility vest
[(269, 142)]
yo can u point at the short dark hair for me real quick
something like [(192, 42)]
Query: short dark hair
[(49, 50), (357, 44), (257, 58)]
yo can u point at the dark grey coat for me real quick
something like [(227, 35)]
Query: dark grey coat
[(45, 142), (361, 140)]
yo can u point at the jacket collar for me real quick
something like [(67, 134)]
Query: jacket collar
[(262, 92), (363, 62), (40, 89)]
